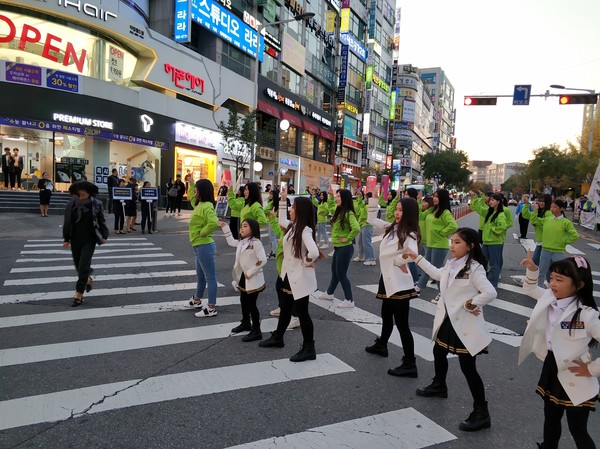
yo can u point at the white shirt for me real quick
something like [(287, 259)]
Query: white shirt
[(555, 312)]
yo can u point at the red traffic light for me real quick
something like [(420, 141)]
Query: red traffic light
[(578, 99), (480, 101)]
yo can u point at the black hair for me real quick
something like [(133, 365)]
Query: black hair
[(443, 203), (494, 213), (429, 202), (547, 199), (303, 217), (275, 200), (408, 224), (471, 238), (561, 204), (579, 275), (87, 186), (254, 227), (240, 192), (391, 195), (342, 212), (205, 191), (412, 192), (254, 195), (322, 197)]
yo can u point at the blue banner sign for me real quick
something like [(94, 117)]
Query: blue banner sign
[(228, 27), (183, 22), (343, 66), (354, 44), (62, 80)]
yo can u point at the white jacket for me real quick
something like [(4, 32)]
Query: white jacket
[(250, 258), (455, 293), (566, 345), (300, 272), (390, 256)]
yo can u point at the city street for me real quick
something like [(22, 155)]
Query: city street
[(131, 368)]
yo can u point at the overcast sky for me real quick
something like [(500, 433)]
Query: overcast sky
[(487, 47)]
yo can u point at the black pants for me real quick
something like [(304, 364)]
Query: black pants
[(82, 258), (577, 418), (146, 215), (17, 176), (248, 303), (523, 224), (397, 310), (178, 200), (281, 297), (9, 177), (170, 204), (234, 227), (306, 324), (119, 215), (468, 367)]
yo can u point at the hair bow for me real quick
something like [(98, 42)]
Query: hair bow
[(580, 261)]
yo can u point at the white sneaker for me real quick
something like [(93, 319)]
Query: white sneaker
[(331, 253), (275, 312), (370, 263), (235, 286), (346, 304), (294, 323), (357, 259), (193, 303), (326, 295), (206, 312), (436, 299), (417, 289)]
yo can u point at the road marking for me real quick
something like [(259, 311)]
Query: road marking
[(98, 251), (67, 404), (61, 240), (406, 428), (102, 277), (100, 266), (572, 250), (82, 348), (39, 245), (121, 256), (104, 312), (124, 291), (516, 236), (594, 245)]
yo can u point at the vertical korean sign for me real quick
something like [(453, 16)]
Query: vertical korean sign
[(183, 21)]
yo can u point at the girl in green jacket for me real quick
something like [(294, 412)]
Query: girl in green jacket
[(253, 207), (322, 217), (235, 202), (543, 211)]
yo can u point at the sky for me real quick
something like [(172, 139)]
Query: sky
[(486, 47)]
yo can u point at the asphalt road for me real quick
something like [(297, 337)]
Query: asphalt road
[(131, 369)]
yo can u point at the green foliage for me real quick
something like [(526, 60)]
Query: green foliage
[(556, 168), (450, 167), (239, 137)]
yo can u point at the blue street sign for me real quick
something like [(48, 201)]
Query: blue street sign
[(521, 95)]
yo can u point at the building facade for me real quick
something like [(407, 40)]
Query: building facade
[(441, 92)]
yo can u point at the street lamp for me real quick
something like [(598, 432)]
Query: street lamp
[(260, 28), (589, 91)]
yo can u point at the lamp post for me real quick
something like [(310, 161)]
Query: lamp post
[(259, 30), (589, 91)]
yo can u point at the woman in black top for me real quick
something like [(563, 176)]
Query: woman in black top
[(45, 188), (83, 227)]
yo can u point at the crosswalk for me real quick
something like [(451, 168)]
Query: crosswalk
[(42, 275)]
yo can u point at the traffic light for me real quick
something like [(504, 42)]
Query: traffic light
[(480, 101), (578, 99)]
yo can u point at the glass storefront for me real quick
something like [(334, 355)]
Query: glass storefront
[(197, 163)]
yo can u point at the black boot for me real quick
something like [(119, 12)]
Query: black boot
[(254, 335), (378, 348), (437, 389), (307, 352), (478, 419), (407, 369), (540, 445), (243, 327), (274, 341)]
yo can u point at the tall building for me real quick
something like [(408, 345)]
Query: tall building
[(478, 170), (442, 96), (497, 174)]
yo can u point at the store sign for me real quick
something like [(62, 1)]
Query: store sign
[(289, 162), (147, 122), (212, 16), (343, 65), (351, 108), (196, 84), (197, 135), (408, 111), (266, 153), (115, 64), (296, 106), (84, 121), (322, 72), (354, 44), (182, 22), (88, 9), (272, 45), (251, 20), (381, 83)]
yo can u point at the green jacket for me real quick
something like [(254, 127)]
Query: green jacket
[(557, 233), (255, 211), (438, 230), (349, 231), (537, 222), (274, 222), (494, 232), (202, 224), (235, 204), (509, 217), (422, 227), (476, 204), (322, 211), (389, 208)]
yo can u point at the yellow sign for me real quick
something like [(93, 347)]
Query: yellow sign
[(352, 108), (330, 22), (345, 26)]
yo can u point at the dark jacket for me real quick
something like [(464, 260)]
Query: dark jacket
[(97, 213)]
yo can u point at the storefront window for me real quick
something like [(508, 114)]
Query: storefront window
[(195, 163), (308, 145), (324, 152), (287, 140)]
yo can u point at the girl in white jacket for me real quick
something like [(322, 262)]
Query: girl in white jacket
[(300, 252), (248, 278), (458, 326), (396, 287), (563, 326)]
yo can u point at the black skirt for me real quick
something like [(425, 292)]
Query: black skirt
[(404, 294), (45, 197), (448, 339), (550, 388), (242, 286)]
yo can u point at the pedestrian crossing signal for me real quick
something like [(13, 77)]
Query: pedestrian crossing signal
[(480, 101), (578, 99)]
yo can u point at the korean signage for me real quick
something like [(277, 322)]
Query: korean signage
[(408, 111), (322, 72), (183, 24), (190, 81), (351, 108), (381, 83), (272, 45), (393, 105), (354, 44), (345, 22), (343, 66), (101, 175), (212, 16), (295, 105), (198, 136)]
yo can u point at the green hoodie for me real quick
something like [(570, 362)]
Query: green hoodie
[(322, 211), (557, 233), (274, 222), (235, 204), (422, 227), (349, 231), (438, 230), (493, 232), (537, 222), (202, 224), (389, 208), (254, 211)]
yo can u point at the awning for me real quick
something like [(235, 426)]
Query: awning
[(327, 135), (269, 109), (310, 127), (292, 119)]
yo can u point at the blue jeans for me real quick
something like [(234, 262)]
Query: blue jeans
[(437, 257), (206, 272), (546, 259), (536, 255), (493, 253), (273, 239), (339, 270), (366, 238), (322, 233)]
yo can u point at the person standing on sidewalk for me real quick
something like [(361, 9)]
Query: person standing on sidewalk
[(146, 208), (45, 188), (8, 169), (523, 222), (18, 167), (113, 181), (396, 287), (180, 186)]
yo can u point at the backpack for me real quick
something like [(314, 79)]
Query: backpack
[(172, 192)]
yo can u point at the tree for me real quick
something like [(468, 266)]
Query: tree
[(449, 167), (239, 138), (554, 168), (518, 184)]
